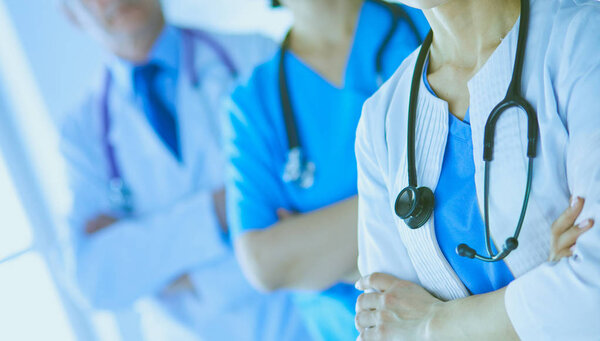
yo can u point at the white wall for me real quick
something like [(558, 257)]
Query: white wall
[(62, 58)]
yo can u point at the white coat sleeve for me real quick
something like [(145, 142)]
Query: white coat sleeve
[(562, 301), (380, 248), (137, 256)]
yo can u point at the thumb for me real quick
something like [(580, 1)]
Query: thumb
[(283, 214)]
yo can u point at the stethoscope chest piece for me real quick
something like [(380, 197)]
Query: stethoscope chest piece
[(298, 170), (415, 206), (120, 196)]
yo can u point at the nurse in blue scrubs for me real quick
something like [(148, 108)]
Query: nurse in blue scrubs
[(291, 180)]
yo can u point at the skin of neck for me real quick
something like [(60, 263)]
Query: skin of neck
[(466, 32), (322, 34), (135, 46), (322, 22)]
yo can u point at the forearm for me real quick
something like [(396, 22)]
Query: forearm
[(139, 256), (311, 251), (479, 317)]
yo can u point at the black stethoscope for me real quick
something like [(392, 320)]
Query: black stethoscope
[(415, 204), (298, 168), (119, 193)]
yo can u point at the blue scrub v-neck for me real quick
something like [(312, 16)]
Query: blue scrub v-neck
[(457, 217), (326, 118)]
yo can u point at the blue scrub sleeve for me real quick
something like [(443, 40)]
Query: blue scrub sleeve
[(254, 189)]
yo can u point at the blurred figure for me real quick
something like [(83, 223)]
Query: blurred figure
[(146, 171), (291, 188)]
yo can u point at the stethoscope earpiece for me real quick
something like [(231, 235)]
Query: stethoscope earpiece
[(415, 206), (510, 244), (465, 250)]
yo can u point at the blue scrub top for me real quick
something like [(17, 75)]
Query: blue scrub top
[(456, 211), (327, 118)]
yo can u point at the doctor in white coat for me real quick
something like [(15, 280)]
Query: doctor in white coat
[(146, 172), (428, 128)]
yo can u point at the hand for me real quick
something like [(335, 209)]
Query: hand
[(181, 284), (394, 310), (219, 206), (99, 223), (565, 233), (284, 214)]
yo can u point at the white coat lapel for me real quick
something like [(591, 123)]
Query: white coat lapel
[(487, 88), (143, 158), (199, 108), (434, 272)]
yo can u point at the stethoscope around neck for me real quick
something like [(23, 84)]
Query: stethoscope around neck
[(415, 204), (119, 193), (298, 168)]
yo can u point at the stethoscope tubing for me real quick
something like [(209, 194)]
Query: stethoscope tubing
[(190, 37), (289, 117), (513, 99)]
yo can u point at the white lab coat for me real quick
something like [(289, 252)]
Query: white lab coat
[(174, 229), (561, 80)]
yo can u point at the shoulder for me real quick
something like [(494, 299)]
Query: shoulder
[(83, 118), (578, 27), (392, 96), (254, 102), (261, 82), (246, 50), (573, 32)]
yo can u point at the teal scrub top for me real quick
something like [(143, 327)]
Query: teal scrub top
[(327, 118)]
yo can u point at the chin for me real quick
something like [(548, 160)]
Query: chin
[(423, 4), (131, 18)]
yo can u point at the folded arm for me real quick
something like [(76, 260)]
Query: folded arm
[(138, 255), (311, 251)]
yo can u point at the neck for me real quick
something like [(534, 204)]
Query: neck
[(466, 32), (324, 23), (136, 47)]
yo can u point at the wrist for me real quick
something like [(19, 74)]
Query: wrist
[(434, 322)]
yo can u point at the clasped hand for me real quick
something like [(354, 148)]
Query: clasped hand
[(393, 309)]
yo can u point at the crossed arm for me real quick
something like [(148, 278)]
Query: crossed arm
[(116, 261), (310, 251), (394, 309)]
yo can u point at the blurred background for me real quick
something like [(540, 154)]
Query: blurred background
[(46, 66)]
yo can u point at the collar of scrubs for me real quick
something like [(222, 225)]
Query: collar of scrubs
[(165, 53), (368, 37), (459, 128)]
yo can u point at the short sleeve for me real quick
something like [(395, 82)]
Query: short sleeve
[(253, 185)]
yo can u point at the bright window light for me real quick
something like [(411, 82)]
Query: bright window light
[(30, 308), (15, 231)]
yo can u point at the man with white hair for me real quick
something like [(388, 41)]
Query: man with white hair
[(145, 167)]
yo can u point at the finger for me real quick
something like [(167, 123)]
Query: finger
[(365, 319), (368, 301), (371, 334), (377, 281), (560, 255), (283, 214), (92, 226), (99, 223), (569, 237), (568, 217)]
